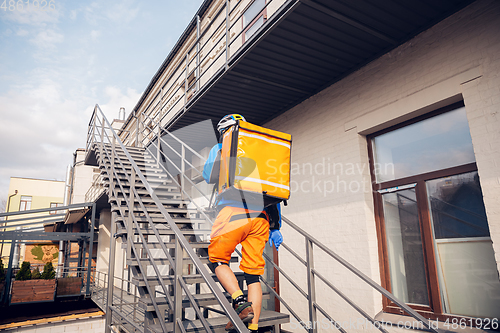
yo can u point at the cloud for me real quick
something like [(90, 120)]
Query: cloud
[(22, 32), (94, 34), (33, 17), (47, 39), (117, 99), (123, 12), (43, 124)]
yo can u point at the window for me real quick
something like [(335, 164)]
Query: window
[(253, 18), (55, 204), (432, 225), (25, 203)]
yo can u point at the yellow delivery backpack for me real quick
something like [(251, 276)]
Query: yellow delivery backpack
[(255, 164)]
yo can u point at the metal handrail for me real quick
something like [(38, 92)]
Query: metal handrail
[(180, 239), (130, 239), (310, 241), (98, 288), (314, 272), (96, 189)]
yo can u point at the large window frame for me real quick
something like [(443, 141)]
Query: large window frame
[(435, 309)]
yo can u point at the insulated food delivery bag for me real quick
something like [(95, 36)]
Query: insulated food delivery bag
[(255, 164)]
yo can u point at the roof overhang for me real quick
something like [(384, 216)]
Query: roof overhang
[(75, 215), (305, 47)]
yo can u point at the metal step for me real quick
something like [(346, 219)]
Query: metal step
[(164, 261), (153, 210), (164, 232), (201, 300), (218, 324), (161, 220), (169, 279), (194, 245)]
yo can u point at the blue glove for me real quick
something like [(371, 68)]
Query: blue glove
[(275, 238)]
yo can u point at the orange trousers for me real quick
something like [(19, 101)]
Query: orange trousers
[(232, 227)]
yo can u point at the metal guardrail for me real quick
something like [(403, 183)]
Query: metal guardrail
[(100, 127), (312, 274), (96, 189), (28, 225)]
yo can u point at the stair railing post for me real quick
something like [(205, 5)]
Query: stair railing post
[(197, 53), (111, 273), (311, 287), (177, 285), (186, 86), (160, 113), (138, 129), (8, 279), (91, 246), (183, 168), (92, 138), (130, 213), (102, 142), (227, 34)]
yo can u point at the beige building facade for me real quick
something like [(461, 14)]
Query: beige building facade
[(454, 61), (395, 166), (28, 194)]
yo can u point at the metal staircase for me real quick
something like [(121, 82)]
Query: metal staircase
[(164, 233), (165, 241)]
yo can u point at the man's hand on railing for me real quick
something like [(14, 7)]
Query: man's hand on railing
[(275, 238)]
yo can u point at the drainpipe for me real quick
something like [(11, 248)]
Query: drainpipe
[(5, 222), (65, 203)]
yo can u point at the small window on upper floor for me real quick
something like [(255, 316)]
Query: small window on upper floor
[(55, 204), (25, 203), (253, 18)]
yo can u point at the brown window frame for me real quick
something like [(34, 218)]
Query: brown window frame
[(255, 19), (25, 202), (435, 310), (57, 204)]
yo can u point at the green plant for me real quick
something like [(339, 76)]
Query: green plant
[(25, 272), (37, 252), (2, 272), (48, 271), (35, 274)]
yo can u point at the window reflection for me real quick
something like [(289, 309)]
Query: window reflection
[(436, 143), (404, 241), (457, 207)]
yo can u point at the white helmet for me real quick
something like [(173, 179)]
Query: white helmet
[(228, 121)]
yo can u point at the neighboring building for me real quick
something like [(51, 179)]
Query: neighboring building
[(29, 194), (394, 113), (82, 178)]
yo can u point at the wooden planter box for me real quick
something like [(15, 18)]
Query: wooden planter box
[(33, 291), (69, 286)]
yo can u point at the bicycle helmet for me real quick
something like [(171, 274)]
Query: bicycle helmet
[(228, 121)]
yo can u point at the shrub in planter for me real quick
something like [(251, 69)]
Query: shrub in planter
[(35, 274), (25, 272), (48, 271), (41, 289)]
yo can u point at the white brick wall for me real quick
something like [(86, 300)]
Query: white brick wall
[(432, 67)]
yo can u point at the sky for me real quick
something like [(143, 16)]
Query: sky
[(57, 63)]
